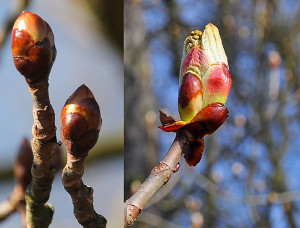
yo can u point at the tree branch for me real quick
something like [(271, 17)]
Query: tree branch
[(159, 176), (82, 195), (38, 212)]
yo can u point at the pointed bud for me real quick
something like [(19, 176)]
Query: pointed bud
[(33, 48), (80, 122), (23, 163), (216, 84)]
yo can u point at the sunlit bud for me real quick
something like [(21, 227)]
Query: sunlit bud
[(80, 122), (33, 48)]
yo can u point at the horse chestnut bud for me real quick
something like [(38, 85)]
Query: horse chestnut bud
[(80, 122), (33, 48)]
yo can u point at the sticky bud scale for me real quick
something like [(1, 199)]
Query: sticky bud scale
[(81, 122)]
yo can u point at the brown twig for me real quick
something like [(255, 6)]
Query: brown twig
[(159, 176)]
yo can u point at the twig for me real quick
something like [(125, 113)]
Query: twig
[(159, 176), (82, 195), (156, 221), (251, 200), (38, 212)]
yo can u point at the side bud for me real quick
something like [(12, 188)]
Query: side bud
[(33, 48), (80, 122), (23, 163)]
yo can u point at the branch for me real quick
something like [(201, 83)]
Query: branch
[(159, 176)]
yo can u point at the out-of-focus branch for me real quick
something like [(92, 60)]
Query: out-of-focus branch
[(252, 200), (21, 5), (22, 172), (156, 221)]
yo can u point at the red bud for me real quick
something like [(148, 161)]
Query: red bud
[(33, 48), (80, 122)]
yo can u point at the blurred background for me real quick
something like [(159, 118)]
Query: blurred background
[(89, 42), (249, 174)]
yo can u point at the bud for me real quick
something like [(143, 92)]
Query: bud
[(80, 122), (23, 163), (33, 48), (205, 83), (204, 75)]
